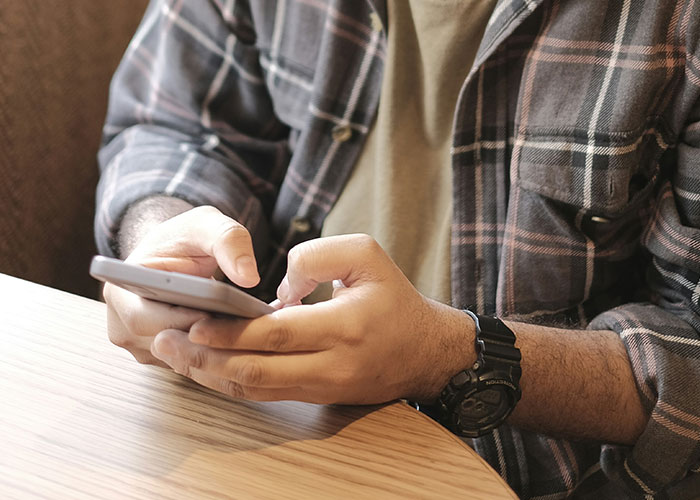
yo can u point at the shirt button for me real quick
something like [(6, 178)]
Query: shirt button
[(301, 224), (341, 133)]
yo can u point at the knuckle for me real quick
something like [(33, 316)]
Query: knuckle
[(204, 211), (345, 376), (301, 257), (340, 381), (233, 389), (294, 256), (278, 338), (251, 373), (234, 232), (351, 337), (366, 243), (184, 370), (196, 359)]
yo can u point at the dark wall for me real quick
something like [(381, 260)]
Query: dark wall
[(56, 60)]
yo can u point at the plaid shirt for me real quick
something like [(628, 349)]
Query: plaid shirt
[(576, 167)]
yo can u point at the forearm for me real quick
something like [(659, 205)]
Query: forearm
[(222, 155), (142, 216), (577, 384)]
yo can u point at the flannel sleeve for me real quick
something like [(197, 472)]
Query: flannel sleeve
[(662, 337), (190, 117)]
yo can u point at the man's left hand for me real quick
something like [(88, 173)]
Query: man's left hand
[(377, 339)]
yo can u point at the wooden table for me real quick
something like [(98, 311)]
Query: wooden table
[(79, 418)]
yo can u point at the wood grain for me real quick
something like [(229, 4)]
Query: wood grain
[(79, 418)]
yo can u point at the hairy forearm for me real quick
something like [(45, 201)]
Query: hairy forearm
[(577, 384), (142, 216)]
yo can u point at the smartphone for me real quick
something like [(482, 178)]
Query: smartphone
[(178, 288)]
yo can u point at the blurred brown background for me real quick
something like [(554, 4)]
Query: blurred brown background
[(56, 61)]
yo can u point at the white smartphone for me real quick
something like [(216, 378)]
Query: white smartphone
[(178, 288)]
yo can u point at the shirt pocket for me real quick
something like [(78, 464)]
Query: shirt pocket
[(602, 175), (595, 199)]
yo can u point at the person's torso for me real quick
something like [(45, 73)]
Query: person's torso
[(400, 191), (541, 157)]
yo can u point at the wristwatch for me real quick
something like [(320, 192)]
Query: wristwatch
[(477, 400)]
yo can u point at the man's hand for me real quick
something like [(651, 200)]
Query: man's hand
[(196, 242), (376, 340)]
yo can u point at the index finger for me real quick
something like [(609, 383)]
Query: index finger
[(199, 233), (350, 258), (308, 328)]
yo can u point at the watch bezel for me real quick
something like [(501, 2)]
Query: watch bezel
[(479, 382)]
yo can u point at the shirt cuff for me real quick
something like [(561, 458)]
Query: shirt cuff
[(664, 353), (145, 165)]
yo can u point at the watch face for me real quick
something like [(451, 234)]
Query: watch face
[(484, 407)]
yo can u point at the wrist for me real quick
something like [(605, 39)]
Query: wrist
[(455, 334), (480, 398), (142, 216)]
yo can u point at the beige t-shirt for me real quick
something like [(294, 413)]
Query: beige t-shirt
[(400, 192)]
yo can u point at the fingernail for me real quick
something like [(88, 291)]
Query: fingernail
[(245, 266), (283, 290)]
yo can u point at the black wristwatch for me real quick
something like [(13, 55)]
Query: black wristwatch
[(478, 400)]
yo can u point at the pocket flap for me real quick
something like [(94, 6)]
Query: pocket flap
[(603, 179)]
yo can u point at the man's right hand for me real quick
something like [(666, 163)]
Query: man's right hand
[(197, 242)]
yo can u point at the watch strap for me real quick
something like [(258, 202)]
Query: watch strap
[(495, 344)]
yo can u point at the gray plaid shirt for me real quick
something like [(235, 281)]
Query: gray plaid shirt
[(576, 167)]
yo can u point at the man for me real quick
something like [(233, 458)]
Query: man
[(554, 144)]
